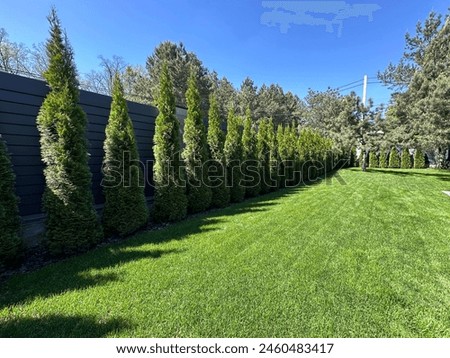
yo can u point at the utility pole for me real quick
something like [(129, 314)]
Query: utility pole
[(365, 90)]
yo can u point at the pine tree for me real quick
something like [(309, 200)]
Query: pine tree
[(250, 164), (125, 208), (217, 169), (233, 157), (10, 241), (406, 159), (72, 224), (419, 159), (170, 201), (394, 158), (373, 160), (195, 153), (384, 159)]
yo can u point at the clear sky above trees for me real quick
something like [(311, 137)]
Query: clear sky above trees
[(228, 37)]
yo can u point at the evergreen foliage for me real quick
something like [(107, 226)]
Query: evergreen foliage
[(264, 146), (373, 160), (71, 224), (195, 152), (125, 208), (352, 161), (217, 168), (384, 159), (419, 159), (233, 157), (394, 158), (250, 166), (406, 159), (10, 241), (170, 201), (282, 154)]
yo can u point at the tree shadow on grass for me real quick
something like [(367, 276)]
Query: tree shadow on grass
[(72, 274), (75, 273), (58, 326)]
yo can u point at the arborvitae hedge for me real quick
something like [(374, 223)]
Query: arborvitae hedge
[(72, 224), (233, 157), (195, 152), (125, 208), (10, 241), (394, 158), (251, 164), (217, 168), (373, 160), (419, 159), (406, 159), (384, 159), (170, 201)]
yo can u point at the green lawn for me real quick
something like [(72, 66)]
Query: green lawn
[(367, 259)]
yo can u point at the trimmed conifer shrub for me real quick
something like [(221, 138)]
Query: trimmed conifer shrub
[(195, 152), (406, 159), (394, 158), (274, 157), (71, 224), (290, 137), (233, 157), (373, 160), (250, 166), (170, 201), (282, 155), (125, 209), (419, 159), (217, 169), (10, 240), (264, 154), (384, 159)]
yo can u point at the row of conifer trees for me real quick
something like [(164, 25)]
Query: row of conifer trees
[(393, 159), (216, 168), (212, 169)]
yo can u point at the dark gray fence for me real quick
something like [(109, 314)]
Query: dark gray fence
[(20, 100)]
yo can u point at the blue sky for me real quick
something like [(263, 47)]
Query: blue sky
[(229, 37)]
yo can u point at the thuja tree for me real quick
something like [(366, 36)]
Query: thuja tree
[(384, 159), (373, 160), (125, 208), (250, 165), (10, 241), (216, 168), (195, 153), (281, 154), (394, 158), (274, 157), (170, 201), (406, 159), (419, 159), (71, 224), (290, 142), (264, 145), (233, 157)]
